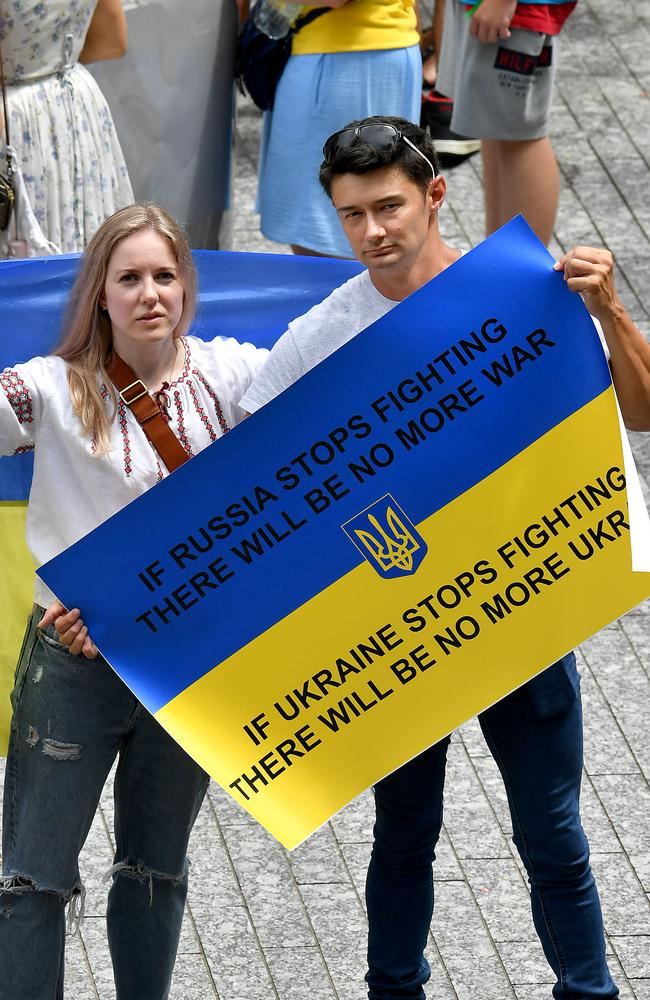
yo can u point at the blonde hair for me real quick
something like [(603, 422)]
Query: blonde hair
[(87, 340)]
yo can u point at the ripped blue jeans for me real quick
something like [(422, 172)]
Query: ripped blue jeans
[(72, 718)]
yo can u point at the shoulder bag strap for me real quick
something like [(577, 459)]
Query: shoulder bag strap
[(134, 394), (4, 99), (307, 18)]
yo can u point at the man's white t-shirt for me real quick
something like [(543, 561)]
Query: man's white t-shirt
[(315, 335)]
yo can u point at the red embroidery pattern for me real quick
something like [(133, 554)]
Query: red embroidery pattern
[(215, 399), (121, 418), (181, 425), (201, 412), (18, 395), (188, 362), (93, 437), (24, 448)]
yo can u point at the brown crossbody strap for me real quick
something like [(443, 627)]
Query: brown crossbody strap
[(134, 394)]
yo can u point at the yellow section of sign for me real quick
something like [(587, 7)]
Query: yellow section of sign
[(500, 593), (15, 601)]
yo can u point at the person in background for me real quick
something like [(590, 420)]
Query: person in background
[(59, 123), (357, 58), (498, 65), (437, 110)]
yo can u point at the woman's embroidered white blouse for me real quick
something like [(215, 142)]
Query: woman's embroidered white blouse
[(73, 489)]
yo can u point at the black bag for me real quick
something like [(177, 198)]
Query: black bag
[(260, 60)]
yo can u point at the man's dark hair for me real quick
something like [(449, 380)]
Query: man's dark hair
[(361, 157)]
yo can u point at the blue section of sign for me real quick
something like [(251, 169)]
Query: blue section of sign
[(387, 539), (250, 529)]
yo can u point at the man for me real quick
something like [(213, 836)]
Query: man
[(382, 177)]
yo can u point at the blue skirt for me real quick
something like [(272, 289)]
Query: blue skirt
[(317, 95)]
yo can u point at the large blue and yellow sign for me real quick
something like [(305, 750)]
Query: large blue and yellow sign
[(430, 517)]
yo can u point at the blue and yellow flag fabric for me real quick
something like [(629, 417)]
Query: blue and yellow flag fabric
[(248, 296), (441, 516)]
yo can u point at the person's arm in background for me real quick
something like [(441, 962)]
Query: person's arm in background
[(491, 20), (590, 272), (106, 37)]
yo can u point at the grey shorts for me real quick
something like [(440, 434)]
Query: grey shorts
[(500, 91)]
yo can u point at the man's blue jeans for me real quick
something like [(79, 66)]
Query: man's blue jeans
[(72, 717), (535, 737)]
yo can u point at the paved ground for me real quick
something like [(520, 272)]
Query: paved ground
[(265, 925)]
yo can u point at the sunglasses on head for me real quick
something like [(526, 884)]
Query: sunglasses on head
[(379, 135)]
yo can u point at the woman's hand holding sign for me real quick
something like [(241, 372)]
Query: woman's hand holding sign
[(71, 630)]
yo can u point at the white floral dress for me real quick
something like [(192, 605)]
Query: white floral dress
[(59, 121)]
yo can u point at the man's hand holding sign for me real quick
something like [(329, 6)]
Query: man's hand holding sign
[(590, 272)]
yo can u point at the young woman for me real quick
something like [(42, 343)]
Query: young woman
[(134, 298)]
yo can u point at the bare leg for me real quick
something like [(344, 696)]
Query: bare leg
[(438, 23), (521, 176), (431, 39)]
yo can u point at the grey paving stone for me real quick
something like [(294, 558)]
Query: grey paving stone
[(189, 943), (270, 890), (356, 858), (502, 897), (601, 834), (619, 976), (300, 972), (633, 954), (526, 964), (625, 905), (233, 953), (340, 926), (465, 946), (623, 663), (492, 783), (641, 865), (93, 935), (469, 819), (353, 824), (79, 981), (606, 748), (641, 988), (626, 798), (319, 859), (192, 980), (533, 992), (472, 738)]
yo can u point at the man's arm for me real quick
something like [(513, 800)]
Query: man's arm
[(591, 272)]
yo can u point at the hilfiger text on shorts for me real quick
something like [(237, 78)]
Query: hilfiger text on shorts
[(523, 63)]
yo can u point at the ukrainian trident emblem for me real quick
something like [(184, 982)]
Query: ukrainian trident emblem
[(387, 539)]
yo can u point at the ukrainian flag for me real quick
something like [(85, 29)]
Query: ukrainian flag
[(251, 297), (411, 531)]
